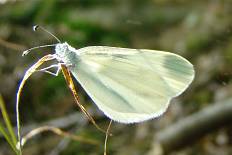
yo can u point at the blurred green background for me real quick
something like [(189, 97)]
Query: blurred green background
[(200, 31)]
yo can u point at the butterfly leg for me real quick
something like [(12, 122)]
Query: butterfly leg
[(46, 69), (57, 66)]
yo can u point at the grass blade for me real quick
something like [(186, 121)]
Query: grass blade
[(8, 139), (7, 120)]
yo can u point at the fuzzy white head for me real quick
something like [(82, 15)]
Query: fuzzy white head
[(65, 53)]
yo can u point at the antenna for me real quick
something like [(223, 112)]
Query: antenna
[(29, 50), (36, 27)]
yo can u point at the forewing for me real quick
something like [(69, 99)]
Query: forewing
[(130, 85)]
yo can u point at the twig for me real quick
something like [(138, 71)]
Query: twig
[(10, 45), (193, 127), (57, 131)]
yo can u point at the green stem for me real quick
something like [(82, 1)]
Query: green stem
[(8, 139), (7, 121)]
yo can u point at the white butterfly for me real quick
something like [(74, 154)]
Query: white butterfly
[(128, 85)]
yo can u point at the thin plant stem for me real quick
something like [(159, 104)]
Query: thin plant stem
[(71, 86), (28, 73), (57, 131), (106, 139), (8, 139), (7, 120)]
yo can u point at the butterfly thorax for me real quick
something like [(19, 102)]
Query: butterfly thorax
[(65, 53)]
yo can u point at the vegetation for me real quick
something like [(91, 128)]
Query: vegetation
[(197, 30)]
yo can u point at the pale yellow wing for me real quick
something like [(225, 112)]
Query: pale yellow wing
[(131, 85)]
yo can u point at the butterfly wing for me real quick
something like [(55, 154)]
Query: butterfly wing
[(131, 85)]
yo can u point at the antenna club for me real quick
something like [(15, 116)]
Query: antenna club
[(25, 52), (35, 27)]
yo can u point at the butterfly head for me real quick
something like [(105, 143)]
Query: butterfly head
[(61, 49), (64, 51)]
